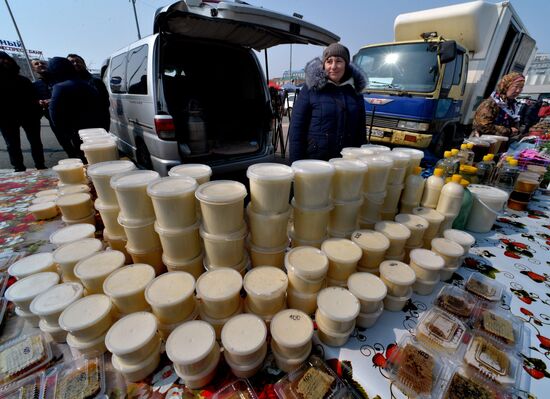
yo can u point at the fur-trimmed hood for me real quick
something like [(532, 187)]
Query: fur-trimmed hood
[(316, 78)]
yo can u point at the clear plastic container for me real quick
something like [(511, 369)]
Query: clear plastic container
[(266, 289), (343, 217), (138, 371), (193, 266), (68, 255), (141, 234), (307, 268), (88, 317), (378, 172), (449, 250), (90, 219), (465, 240), (93, 271), (133, 337), (342, 255), (416, 370), (131, 192), (268, 256), (312, 183), (221, 203), (240, 388), (488, 202), (416, 156), (288, 364), (434, 219), (374, 246), (49, 304), (426, 264), (311, 223), (73, 189), (86, 348), (100, 151), (171, 296), (70, 173), (331, 337), (25, 290), (244, 339), (372, 206), (217, 323), (219, 292), (376, 148), (44, 193), (44, 211), (348, 179), (484, 287), (367, 320), (166, 329), (126, 287), (270, 187), (297, 241), (181, 243), (397, 233), (28, 317), (204, 378), (416, 224), (304, 301), (397, 303), (46, 198), (501, 326), (151, 257), (192, 346), (463, 383), (397, 276), (200, 172), (31, 264), (337, 308), (26, 388), (314, 378), (224, 249), (75, 206), (174, 201), (456, 301), (369, 289), (292, 331), (268, 230), (72, 233), (441, 331), (23, 356), (355, 152), (247, 370), (79, 378), (101, 174), (490, 361)]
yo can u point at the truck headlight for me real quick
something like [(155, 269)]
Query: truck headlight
[(421, 126)]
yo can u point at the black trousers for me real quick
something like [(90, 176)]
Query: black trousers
[(12, 138)]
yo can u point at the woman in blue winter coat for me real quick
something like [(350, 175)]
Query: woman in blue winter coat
[(329, 113)]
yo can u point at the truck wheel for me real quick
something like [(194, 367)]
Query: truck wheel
[(143, 156)]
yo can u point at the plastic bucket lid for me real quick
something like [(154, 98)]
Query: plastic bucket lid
[(100, 206), (415, 154), (56, 299), (295, 205), (237, 235), (400, 157), (377, 148), (110, 168), (354, 152), (460, 237), (212, 280), (72, 233), (67, 166), (341, 250), (431, 215), (307, 262), (270, 172), (171, 186), (312, 166), (380, 160), (427, 259), (175, 232), (31, 264), (133, 179), (348, 165), (98, 145), (125, 337), (194, 170), (367, 287), (492, 197), (221, 192)]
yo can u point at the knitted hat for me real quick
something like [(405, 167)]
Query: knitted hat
[(336, 50)]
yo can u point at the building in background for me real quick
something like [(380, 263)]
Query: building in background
[(296, 77), (15, 49), (537, 81)]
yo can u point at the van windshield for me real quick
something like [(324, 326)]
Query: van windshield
[(403, 67)]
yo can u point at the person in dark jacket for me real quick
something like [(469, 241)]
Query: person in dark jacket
[(19, 108), (82, 71), (74, 105), (329, 113)]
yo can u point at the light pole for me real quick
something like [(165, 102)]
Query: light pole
[(21, 40), (290, 67), (135, 16)]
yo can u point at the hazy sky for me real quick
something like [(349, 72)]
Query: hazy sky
[(95, 28)]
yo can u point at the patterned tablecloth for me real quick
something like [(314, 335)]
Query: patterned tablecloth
[(515, 253)]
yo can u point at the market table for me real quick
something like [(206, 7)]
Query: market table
[(515, 253)]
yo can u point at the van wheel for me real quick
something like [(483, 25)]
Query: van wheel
[(143, 156)]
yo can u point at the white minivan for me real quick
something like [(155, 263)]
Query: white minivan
[(194, 90)]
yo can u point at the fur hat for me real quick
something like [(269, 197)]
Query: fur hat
[(336, 50)]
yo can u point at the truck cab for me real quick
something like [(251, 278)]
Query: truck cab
[(414, 89), (424, 88)]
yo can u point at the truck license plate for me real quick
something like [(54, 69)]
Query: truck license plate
[(377, 133)]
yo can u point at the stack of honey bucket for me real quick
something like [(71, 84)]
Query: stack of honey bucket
[(137, 216), (268, 213), (107, 203)]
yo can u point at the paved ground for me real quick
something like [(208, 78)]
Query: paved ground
[(53, 151)]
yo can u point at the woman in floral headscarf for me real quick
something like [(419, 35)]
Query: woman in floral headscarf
[(499, 114)]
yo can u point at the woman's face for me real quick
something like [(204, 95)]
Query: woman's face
[(335, 68), (515, 89)]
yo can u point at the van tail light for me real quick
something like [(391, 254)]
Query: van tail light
[(164, 126)]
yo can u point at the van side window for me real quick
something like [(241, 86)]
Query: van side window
[(458, 68), (118, 74), (137, 70)]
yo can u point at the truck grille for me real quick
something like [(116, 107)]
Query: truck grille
[(382, 122)]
